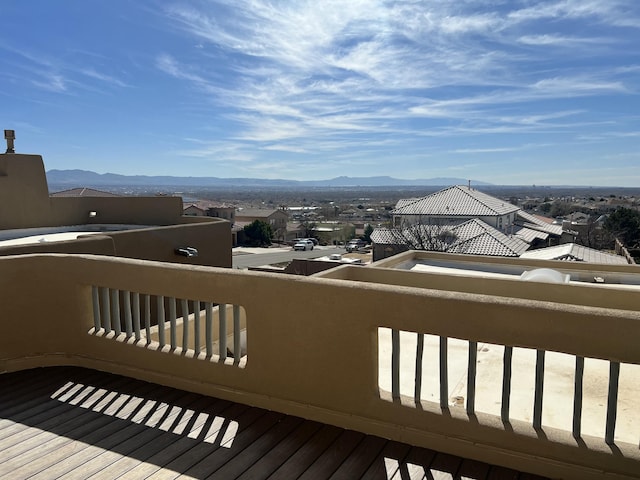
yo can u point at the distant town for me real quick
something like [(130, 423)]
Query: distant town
[(332, 215)]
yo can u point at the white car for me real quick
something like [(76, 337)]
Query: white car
[(303, 244)]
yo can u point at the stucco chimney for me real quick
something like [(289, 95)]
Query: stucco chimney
[(9, 136)]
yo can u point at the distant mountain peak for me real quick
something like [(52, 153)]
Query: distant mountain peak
[(87, 178)]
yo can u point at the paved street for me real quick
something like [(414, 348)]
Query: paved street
[(257, 257)]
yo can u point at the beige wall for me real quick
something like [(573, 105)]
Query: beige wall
[(25, 203), (319, 360), (123, 210), (24, 196), (211, 238)]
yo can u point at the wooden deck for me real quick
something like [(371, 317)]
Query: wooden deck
[(69, 423)]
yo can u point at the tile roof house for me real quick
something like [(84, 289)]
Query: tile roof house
[(456, 204), (276, 218), (202, 208), (459, 203), (572, 252), (473, 237)]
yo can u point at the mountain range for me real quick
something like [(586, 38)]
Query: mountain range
[(85, 178)]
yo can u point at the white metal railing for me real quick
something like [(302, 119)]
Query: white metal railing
[(403, 376), (200, 327)]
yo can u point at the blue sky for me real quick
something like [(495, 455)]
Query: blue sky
[(513, 92)]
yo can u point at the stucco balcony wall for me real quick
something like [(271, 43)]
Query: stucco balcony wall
[(318, 357)]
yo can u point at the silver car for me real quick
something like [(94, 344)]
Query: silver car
[(303, 244)]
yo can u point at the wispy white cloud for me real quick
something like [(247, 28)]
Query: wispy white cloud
[(53, 82), (109, 79), (55, 74), (501, 149), (561, 40), (311, 77)]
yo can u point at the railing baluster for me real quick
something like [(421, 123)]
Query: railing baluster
[(471, 378), (185, 324), (395, 363), (160, 303), (128, 325), (136, 315), (196, 327), (612, 402), (577, 397), (444, 374), (115, 310), (419, 354), (222, 329), (209, 328), (506, 383), (106, 309), (147, 317), (172, 322), (537, 403), (237, 344), (97, 324)]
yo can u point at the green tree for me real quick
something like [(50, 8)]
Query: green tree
[(308, 229), (258, 233), (624, 224), (368, 230)]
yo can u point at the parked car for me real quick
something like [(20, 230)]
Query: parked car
[(355, 245), (303, 244)]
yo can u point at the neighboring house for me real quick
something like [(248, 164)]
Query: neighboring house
[(473, 237), (546, 232), (203, 208), (460, 203), (194, 211), (275, 217), (572, 252), (455, 204)]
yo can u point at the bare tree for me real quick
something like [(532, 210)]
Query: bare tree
[(417, 235)]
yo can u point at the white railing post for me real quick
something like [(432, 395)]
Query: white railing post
[(222, 331), (185, 324), (237, 339), (128, 324), (115, 310), (161, 320), (196, 327), (209, 328), (95, 297), (136, 315), (172, 323)]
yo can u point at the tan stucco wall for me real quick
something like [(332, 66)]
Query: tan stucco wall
[(123, 210), (212, 239), (320, 359), (24, 196), (25, 203)]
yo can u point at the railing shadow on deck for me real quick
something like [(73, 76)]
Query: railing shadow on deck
[(136, 428)]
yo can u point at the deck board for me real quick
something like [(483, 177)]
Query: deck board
[(360, 458), (281, 452), (334, 456), (387, 464), (73, 423)]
